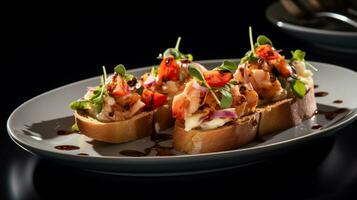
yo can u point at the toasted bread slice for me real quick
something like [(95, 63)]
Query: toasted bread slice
[(227, 137), (286, 113), (137, 127), (268, 119)]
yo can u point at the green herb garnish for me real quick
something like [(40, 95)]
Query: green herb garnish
[(250, 56), (299, 55), (120, 69), (226, 99), (175, 52), (227, 66), (298, 88), (262, 39), (80, 105), (196, 74), (96, 101), (75, 128)]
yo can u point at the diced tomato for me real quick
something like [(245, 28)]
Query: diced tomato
[(118, 86), (169, 70), (147, 97), (153, 99), (266, 52), (217, 78), (159, 99)]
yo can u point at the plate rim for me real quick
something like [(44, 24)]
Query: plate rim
[(349, 118), (298, 28)]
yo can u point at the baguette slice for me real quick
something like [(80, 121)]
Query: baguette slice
[(286, 113), (137, 127), (227, 137)]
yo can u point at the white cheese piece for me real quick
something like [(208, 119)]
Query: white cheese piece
[(193, 121), (214, 123)]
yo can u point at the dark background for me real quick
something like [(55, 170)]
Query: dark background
[(47, 47)]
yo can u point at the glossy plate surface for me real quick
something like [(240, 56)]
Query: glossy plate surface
[(34, 126)]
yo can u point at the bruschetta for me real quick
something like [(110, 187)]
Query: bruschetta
[(269, 94), (285, 89), (214, 112), (113, 112), (166, 80)]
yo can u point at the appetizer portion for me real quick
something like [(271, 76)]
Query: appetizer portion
[(285, 88), (211, 111), (162, 83), (215, 110), (219, 111), (113, 111)]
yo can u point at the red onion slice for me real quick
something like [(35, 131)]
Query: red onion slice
[(225, 113), (150, 80)]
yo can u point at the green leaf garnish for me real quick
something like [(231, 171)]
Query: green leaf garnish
[(249, 57), (75, 128), (80, 105), (172, 52), (262, 39), (96, 101), (226, 99), (175, 52), (120, 69), (227, 66), (195, 73), (298, 88), (233, 82), (299, 55)]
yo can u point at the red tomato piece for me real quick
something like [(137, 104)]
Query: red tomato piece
[(159, 99), (169, 70), (266, 52), (153, 99), (217, 78)]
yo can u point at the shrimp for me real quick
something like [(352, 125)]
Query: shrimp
[(264, 83), (282, 66), (244, 101), (272, 57), (187, 102)]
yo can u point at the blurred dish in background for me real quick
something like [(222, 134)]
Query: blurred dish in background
[(322, 32)]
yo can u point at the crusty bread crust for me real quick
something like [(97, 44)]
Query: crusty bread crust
[(137, 127), (227, 137), (268, 119), (286, 113)]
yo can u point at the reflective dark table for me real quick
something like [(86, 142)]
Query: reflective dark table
[(74, 49)]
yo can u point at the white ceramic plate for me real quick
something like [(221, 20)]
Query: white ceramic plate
[(34, 126), (344, 41)]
